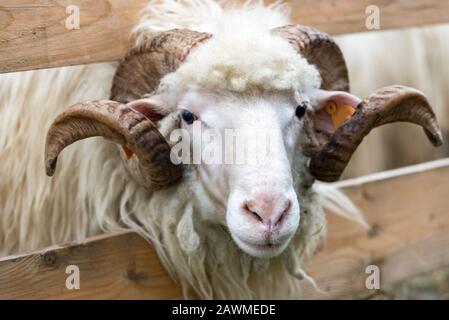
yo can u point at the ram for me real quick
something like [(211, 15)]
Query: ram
[(222, 229)]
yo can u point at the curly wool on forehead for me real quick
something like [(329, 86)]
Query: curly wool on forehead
[(243, 55)]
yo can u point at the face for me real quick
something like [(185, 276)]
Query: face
[(250, 152), (253, 141)]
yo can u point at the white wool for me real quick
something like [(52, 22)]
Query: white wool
[(92, 192), (206, 15), (242, 54), (335, 201), (35, 210), (185, 231)]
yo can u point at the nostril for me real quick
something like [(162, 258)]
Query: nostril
[(287, 206), (272, 215), (278, 219), (247, 208)]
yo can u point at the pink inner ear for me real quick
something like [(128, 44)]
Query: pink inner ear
[(323, 120), (150, 109), (322, 97), (323, 123)]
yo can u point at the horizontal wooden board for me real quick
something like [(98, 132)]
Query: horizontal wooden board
[(118, 266), (408, 213), (33, 33), (347, 16), (407, 209)]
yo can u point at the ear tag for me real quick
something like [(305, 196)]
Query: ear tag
[(339, 113), (127, 152)]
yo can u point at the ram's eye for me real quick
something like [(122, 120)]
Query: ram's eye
[(188, 116), (301, 110)]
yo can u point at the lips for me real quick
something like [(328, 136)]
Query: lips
[(267, 244), (265, 250)]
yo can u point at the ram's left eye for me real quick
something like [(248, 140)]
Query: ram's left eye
[(188, 116), (301, 110)]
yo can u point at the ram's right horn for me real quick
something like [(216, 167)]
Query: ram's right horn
[(386, 105), (147, 150)]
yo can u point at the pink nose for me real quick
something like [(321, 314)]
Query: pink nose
[(270, 209)]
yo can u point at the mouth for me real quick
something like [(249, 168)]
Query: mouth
[(268, 249)]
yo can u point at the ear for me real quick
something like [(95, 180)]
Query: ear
[(332, 109), (151, 108), (386, 105)]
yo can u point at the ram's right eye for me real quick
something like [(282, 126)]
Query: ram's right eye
[(188, 116)]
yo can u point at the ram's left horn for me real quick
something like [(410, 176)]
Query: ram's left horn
[(386, 105), (319, 49), (149, 154)]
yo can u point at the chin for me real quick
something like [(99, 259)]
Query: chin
[(263, 251)]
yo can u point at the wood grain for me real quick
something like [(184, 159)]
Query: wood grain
[(347, 16), (408, 210), (409, 217), (119, 266), (33, 33)]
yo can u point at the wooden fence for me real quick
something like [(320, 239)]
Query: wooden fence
[(33, 33), (406, 208)]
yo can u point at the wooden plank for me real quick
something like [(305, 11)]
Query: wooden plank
[(347, 16), (118, 266), (408, 211), (406, 208), (33, 33)]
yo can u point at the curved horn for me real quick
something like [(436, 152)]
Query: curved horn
[(141, 70), (386, 105), (151, 165), (320, 50), (138, 74)]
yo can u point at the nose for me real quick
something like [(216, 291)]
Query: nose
[(270, 209)]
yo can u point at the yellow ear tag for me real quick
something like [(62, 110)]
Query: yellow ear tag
[(339, 113)]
